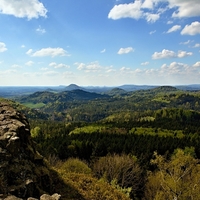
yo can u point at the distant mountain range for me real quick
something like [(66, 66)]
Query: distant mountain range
[(13, 91)]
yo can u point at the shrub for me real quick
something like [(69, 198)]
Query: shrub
[(124, 169), (75, 165)]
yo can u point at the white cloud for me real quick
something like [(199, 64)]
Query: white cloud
[(182, 54), (125, 50), (192, 29), (174, 68), (152, 9), (40, 30), (185, 8), (56, 66), (187, 42), (48, 52), (131, 10), (91, 67), (169, 22), (174, 28), (23, 8), (164, 54), (197, 64), (144, 63), (197, 45), (2, 47), (150, 17), (170, 54), (125, 69), (29, 63), (29, 52), (152, 32), (110, 70), (149, 4), (135, 10)]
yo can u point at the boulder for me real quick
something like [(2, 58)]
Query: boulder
[(23, 172)]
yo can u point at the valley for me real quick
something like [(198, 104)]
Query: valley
[(146, 125)]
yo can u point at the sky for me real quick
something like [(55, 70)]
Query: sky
[(99, 42)]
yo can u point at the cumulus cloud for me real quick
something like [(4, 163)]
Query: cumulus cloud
[(131, 10), (23, 8), (150, 17), (29, 63), (197, 45), (173, 73), (125, 50), (170, 54), (124, 69), (174, 68), (53, 52), (152, 9), (29, 52), (144, 63), (91, 67), (182, 54), (149, 4), (164, 54), (57, 66), (197, 64), (185, 8), (2, 47), (192, 29), (174, 28)]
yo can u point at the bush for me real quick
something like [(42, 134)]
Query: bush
[(124, 169), (75, 165)]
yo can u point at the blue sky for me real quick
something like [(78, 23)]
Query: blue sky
[(99, 42)]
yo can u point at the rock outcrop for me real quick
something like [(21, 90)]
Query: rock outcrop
[(23, 172)]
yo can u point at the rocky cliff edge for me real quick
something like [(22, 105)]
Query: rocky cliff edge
[(23, 172)]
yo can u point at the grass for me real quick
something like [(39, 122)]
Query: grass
[(34, 106)]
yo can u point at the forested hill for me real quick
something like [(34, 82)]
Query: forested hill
[(156, 130), (79, 105), (47, 97)]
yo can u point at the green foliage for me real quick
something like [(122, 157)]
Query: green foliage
[(35, 132), (89, 129), (75, 165), (106, 130), (157, 132), (126, 191), (121, 170), (177, 178), (78, 105), (90, 188)]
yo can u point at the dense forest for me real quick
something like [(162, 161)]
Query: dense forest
[(143, 143)]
